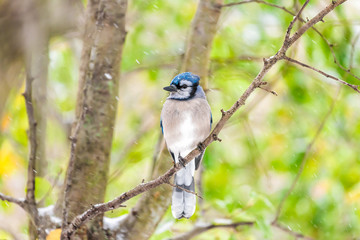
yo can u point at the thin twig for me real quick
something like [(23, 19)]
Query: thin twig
[(304, 159), (30, 185), (319, 17), (256, 153), (144, 128), (269, 91), (355, 87), (19, 201), (31, 206), (226, 115), (288, 31), (257, 1), (352, 51), (184, 189), (331, 47), (53, 184), (290, 232), (197, 230)]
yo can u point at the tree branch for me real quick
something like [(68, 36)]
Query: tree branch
[(297, 16), (268, 64), (258, 1), (197, 230), (317, 18), (184, 189), (331, 47), (31, 206), (144, 217), (19, 201), (352, 51), (53, 184), (30, 185), (290, 232), (304, 159), (355, 87), (269, 91)]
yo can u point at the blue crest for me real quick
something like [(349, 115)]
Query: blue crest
[(187, 76)]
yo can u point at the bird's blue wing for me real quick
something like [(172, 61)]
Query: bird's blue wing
[(162, 129)]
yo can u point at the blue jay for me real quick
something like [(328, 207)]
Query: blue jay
[(185, 122)]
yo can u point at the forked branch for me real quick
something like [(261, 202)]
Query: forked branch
[(257, 82)]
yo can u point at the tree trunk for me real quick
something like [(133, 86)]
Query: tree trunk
[(202, 33), (96, 110)]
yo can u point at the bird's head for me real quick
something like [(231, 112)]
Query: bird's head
[(184, 86)]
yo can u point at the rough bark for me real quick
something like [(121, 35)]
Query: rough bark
[(146, 215), (202, 32), (95, 111)]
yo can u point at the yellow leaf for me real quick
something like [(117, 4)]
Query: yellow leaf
[(54, 235), (8, 159)]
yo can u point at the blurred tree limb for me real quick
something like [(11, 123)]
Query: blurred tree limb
[(16, 38), (258, 81), (197, 230), (29, 203), (26, 30), (202, 32), (30, 185), (355, 87), (146, 215), (330, 45), (304, 158)]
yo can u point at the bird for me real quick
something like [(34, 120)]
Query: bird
[(185, 123)]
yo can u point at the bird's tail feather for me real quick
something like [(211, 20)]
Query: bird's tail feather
[(183, 202)]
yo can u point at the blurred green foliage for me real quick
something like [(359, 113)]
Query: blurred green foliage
[(248, 173)]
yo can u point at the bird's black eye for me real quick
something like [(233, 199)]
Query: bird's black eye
[(183, 86)]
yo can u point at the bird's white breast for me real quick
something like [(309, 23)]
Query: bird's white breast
[(185, 124)]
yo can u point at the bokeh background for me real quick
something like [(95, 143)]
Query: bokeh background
[(247, 174)]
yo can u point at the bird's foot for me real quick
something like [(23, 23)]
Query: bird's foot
[(181, 160), (201, 146)]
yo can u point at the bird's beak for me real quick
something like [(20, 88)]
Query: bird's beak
[(170, 88)]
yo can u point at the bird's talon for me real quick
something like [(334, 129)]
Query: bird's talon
[(181, 160)]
